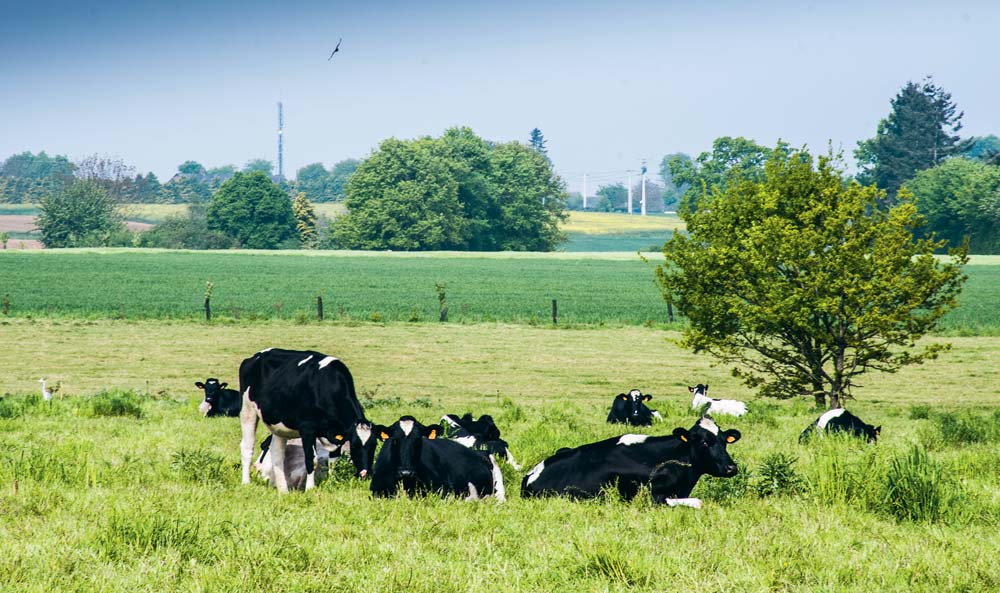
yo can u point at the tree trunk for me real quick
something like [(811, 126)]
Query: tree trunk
[(834, 400), (820, 399)]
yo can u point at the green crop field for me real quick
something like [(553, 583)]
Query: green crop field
[(119, 485), (601, 288), (606, 231)]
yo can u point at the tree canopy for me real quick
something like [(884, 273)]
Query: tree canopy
[(921, 131), (27, 177), (454, 192), (798, 279), (961, 200), (83, 215), (729, 158), (254, 210)]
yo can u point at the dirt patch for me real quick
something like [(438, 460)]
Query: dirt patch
[(24, 244), (17, 223)]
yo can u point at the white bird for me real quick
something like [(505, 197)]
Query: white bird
[(46, 394)]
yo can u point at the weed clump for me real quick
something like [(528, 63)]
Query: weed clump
[(116, 403), (198, 465)]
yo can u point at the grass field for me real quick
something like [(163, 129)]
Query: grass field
[(603, 288), (149, 500), (603, 231)]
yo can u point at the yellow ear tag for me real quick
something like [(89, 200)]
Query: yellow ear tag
[(339, 437), (684, 438), (384, 436), (624, 398), (433, 434), (730, 439)]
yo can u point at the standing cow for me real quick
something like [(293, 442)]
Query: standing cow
[(297, 394), (840, 420), (671, 465)]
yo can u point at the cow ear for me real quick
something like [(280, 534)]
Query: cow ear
[(732, 436), (623, 396), (647, 397), (681, 434), (223, 385), (199, 384), (691, 389), (878, 431)]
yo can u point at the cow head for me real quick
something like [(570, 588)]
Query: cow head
[(360, 440), (872, 433), (402, 449), (212, 389), (708, 447), (634, 401)]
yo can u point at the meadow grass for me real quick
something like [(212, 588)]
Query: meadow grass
[(151, 501), (591, 288)]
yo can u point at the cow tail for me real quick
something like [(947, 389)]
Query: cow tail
[(498, 490)]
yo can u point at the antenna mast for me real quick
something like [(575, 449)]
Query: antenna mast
[(281, 143)]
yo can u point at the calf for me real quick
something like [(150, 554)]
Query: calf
[(295, 463), (298, 394), (219, 401), (716, 407), (429, 464), (481, 434), (840, 420), (631, 409), (671, 465)]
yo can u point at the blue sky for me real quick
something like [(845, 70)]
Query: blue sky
[(608, 83)]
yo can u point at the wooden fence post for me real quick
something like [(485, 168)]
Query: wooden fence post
[(319, 307), (555, 312), (208, 308), (670, 312)]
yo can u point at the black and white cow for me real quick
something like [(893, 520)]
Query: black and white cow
[(413, 456), (632, 409), (840, 420), (219, 401), (298, 394), (295, 463), (715, 407), (481, 434), (358, 444), (671, 465)]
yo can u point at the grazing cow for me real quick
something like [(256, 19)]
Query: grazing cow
[(631, 409), (671, 465), (716, 407), (421, 462), (840, 420), (219, 401), (298, 394), (481, 434)]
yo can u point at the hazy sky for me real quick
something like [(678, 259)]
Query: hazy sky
[(608, 83)]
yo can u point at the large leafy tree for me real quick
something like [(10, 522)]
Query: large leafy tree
[(729, 158), (305, 221), (612, 197), (531, 198), (672, 190), (921, 131), (961, 200), (254, 210), (340, 172), (29, 177), (263, 165), (802, 282), (402, 197), (83, 215), (467, 157), (313, 180)]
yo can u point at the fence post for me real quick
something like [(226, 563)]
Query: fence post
[(670, 312), (319, 307), (208, 308), (555, 312)]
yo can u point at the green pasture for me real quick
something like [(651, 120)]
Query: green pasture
[(590, 288), (119, 485), (608, 231)]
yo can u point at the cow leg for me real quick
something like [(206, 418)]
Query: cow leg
[(309, 452), (513, 462), (498, 490), (248, 423), (277, 450), (657, 416)]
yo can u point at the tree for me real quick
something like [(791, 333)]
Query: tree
[(402, 197), (27, 178), (111, 173), (673, 192), (216, 176), (611, 198), (305, 221), (531, 198), (920, 131), (803, 283), (537, 142), (984, 148), (314, 181), (340, 173), (254, 210), (191, 169), (730, 157), (82, 215), (654, 197), (263, 165), (961, 200)]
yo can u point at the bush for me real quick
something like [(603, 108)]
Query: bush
[(916, 488), (116, 403), (185, 232), (198, 465), (965, 428), (920, 412), (777, 477)]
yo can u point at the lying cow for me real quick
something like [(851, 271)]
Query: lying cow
[(840, 420), (295, 464), (298, 394), (421, 462), (716, 407), (632, 409), (670, 465), (219, 401), (481, 434)]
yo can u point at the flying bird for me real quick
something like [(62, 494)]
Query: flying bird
[(335, 50)]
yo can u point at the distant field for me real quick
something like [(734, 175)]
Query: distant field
[(605, 288), (607, 231)]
